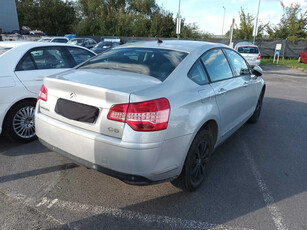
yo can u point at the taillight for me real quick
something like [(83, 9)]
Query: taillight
[(259, 57), (118, 112), (43, 93), (143, 116)]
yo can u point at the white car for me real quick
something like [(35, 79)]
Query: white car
[(250, 52), (23, 65), (150, 111), (54, 39)]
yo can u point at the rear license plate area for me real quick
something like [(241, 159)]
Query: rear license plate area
[(76, 111)]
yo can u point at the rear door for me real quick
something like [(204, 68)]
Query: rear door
[(227, 89), (39, 63)]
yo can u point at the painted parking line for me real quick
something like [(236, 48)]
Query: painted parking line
[(267, 195), (132, 215)]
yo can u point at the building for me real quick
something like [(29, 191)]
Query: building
[(8, 16)]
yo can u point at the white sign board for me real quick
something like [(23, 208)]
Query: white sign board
[(278, 47)]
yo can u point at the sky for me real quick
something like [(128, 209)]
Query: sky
[(208, 14)]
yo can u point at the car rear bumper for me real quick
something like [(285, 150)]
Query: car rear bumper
[(130, 162), (253, 63)]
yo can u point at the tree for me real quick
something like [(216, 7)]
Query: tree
[(54, 17), (246, 27), (292, 25)]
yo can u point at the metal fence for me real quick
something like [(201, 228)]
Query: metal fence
[(267, 48)]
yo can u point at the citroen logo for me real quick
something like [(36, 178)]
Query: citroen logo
[(73, 96)]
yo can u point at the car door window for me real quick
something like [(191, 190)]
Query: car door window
[(79, 55), (61, 40), (198, 74), (217, 65), (238, 64), (45, 58), (26, 63)]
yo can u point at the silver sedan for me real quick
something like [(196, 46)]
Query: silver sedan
[(151, 111)]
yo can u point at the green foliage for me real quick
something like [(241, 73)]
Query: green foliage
[(292, 25), (103, 17), (51, 16), (246, 27)]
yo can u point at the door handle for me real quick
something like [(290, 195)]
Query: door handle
[(222, 91)]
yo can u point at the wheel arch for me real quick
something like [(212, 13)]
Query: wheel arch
[(212, 126), (13, 105)]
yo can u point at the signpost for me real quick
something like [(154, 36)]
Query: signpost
[(178, 26), (277, 52), (231, 33)]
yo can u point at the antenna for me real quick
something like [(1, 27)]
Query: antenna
[(158, 40)]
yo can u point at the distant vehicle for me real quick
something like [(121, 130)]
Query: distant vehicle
[(37, 33), (150, 111), (250, 52), (303, 56), (85, 42), (23, 65), (54, 39), (106, 45), (70, 36)]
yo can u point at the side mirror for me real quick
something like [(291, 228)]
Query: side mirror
[(257, 71)]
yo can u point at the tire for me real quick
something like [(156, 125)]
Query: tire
[(19, 124), (197, 162), (255, 117)]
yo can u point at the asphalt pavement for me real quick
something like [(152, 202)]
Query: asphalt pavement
[(257, 180)]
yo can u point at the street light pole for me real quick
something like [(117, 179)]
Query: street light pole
[(223, 21), (256, 26), (178, 21)]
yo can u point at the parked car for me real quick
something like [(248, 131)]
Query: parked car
[(54, 39), (23, 65), (105, 45), (85, 42), (151, 111), (250, 52), (303, 56)]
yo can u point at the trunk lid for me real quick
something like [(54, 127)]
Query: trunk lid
[(74, 95)]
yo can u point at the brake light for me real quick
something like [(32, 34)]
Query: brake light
[(43, 93), (259, 57), (143, 116)]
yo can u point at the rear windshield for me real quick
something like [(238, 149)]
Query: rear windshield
[(76, 41), (158, 63), (4, 49), (248, 50), (44, 40)]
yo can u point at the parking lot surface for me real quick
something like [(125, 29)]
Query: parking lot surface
[(257, 180)]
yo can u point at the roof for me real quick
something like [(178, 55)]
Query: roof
[(33, 44), (180, 45)]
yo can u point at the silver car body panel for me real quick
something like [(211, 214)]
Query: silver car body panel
[(155, 155)]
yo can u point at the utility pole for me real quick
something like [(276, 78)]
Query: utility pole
[(178, 27), (223, 21), (256, 26)]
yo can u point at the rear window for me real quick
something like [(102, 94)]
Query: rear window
[(158, 63), (76, 42), (248, 50), (4, 49)]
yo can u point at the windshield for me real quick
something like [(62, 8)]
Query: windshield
[(103, 45), (248, 50), (44, 40), (76, 41), (4, 49), (158, 63)]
